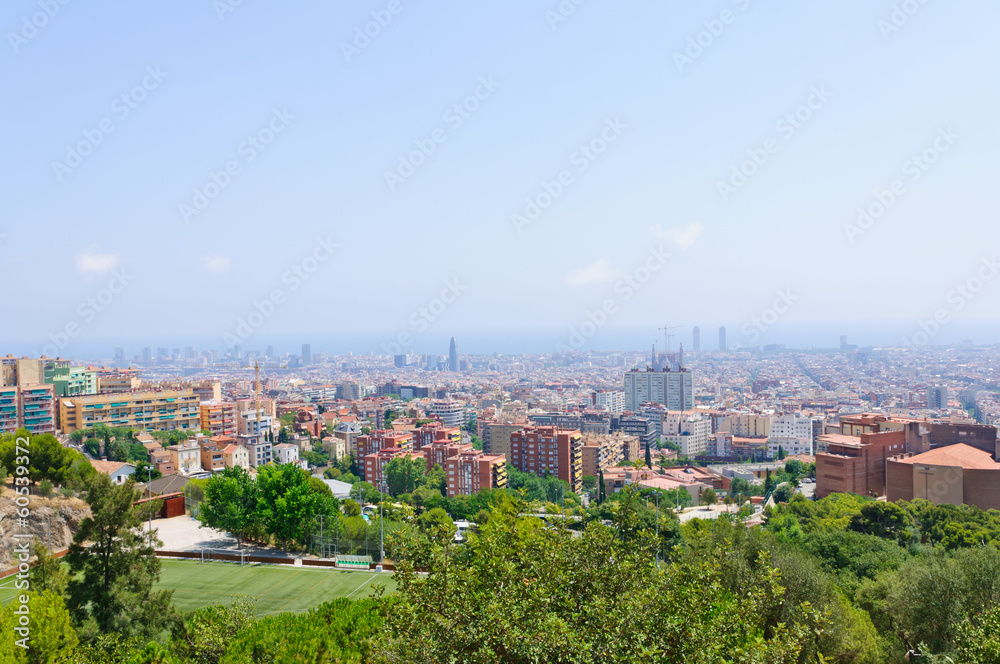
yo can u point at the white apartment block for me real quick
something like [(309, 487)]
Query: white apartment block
[(247, 424), (674, 389), (286, 453), (452, 413), (792, 433), (691, 432), (612, 401)]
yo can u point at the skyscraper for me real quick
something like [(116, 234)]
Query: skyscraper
[(696, 338), (119, 355), (453, 355), (722, 338), (937, 397), (306, 354)]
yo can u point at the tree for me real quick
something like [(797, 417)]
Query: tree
[(52, 637), (111, 589), (208, 633), (649, 456), (794, 467), (283, 435), (289, 504), (146, 471), (781, 453), (47, 574), (365, 493), (708, 497), (768, 481), (524, 592), (231, 504), (783, 493), (603, 489), (403, 474)]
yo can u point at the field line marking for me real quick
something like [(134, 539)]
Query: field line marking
[(367, 581), (282, 581)]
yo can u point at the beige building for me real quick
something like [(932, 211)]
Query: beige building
[(161, 411), (496, 437), (236, 455), (186, 457)]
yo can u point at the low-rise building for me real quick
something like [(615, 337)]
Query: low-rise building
[(234, 456), (286, 453)]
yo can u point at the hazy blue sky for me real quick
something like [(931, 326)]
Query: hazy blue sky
[(547, 87)]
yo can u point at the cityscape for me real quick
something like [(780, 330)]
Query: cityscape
[(415, 333)]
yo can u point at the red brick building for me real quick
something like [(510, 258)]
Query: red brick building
[(471, 470), (954, 475), (381, 440), (374, 465), (856, 464), (432, 433), (438, 452), (548, 450)]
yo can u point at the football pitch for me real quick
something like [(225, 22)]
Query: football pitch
[(276, 589)]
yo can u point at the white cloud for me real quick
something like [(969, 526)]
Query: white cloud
[(91, 262), (683, 238), (217, 264), (596, 272)]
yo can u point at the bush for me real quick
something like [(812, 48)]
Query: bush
[(67, 492), (45, 488)]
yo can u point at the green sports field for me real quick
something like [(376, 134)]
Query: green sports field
[(276, 588)]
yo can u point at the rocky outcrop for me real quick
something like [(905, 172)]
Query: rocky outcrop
[(52, 520)]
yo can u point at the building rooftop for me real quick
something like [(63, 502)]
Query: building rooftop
[(960, 454)]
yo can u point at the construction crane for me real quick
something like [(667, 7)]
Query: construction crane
[(668, 337)]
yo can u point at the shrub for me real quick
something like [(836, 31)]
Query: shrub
[(45, 488)]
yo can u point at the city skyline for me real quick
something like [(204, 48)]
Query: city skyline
[(185, 171)]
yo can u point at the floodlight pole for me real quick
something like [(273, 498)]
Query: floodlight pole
[(657, 530), (381, 519), (149, 497)]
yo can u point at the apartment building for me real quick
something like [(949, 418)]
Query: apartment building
[(111, 381), (162, 411), (212, 457), (218, 417), (373, 465), (426, 435), (28, 406), (691, 431), (612, 401), (451, 413), (548, 450), (383, 439), (471, 470), (792, 433), (747, 425), (258, 448), (603, 451), (496, 436), (438, 452), (673, 389), (71, 381)]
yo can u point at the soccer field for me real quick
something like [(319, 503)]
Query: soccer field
[(277, 589)]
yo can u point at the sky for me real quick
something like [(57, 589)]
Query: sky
[(537, 176)]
